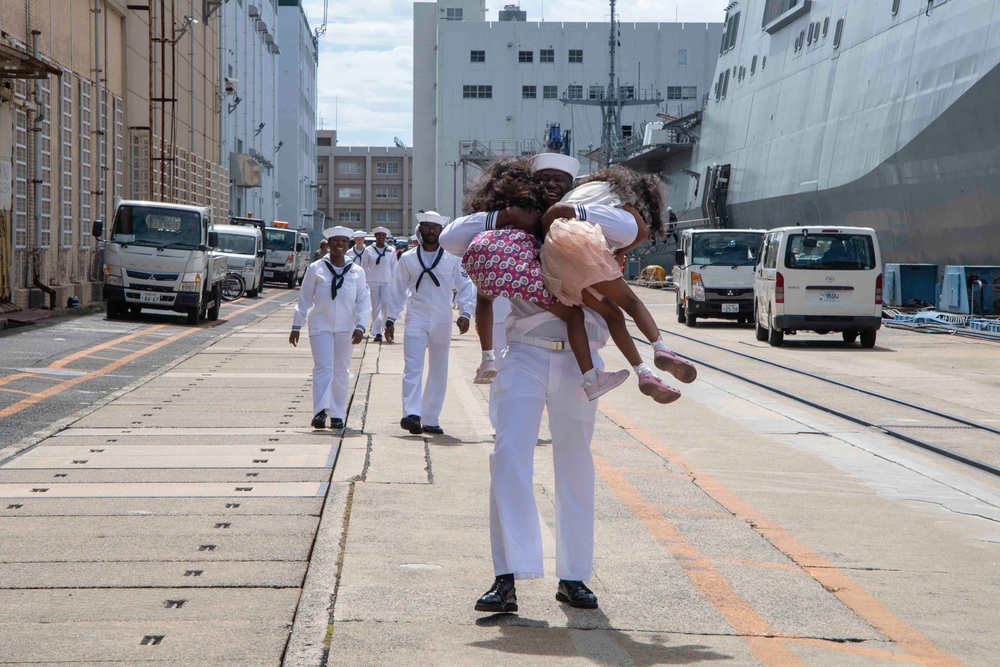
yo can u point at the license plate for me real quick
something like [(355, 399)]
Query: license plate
[(730, 307), (150, 297), (829, 296), (269, 274)]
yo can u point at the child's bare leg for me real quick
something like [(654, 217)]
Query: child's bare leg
[(484, 321), (619, 292), (576, 334), (612, 315)]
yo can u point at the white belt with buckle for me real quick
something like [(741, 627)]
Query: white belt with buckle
[(544, 343)]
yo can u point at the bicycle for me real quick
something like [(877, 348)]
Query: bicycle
[(233, 287)]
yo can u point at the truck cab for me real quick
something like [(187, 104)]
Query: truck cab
[(714, 273), (160, 256), (284, 248)]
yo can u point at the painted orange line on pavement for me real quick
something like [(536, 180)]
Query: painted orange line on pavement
[(840, 584), (97, 348), (690, 510), (17, 376), (713, 584), (861, 650), (17, 391), (784, 567), (66, 384)]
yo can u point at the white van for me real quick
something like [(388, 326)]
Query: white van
[(243, 247), (283, 248), (713, 274), (305, 257), (819, 279)]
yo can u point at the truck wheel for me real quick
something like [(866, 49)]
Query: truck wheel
[(194, 314), (691, 320), (213, 311), (291, 281), (116, 310), (680, 313), (759, 332), (254, 292), (868, 338), (849, 336), (775, 337)]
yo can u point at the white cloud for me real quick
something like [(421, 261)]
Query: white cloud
[(366, 57)]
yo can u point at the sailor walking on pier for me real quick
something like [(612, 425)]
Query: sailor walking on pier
[(334, 301), (424, 282), (379, 262), (357, 251)]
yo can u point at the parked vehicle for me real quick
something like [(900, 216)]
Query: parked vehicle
[(233, 286), (304, 257), (259, 224), (819, 279), (281, 262), (243, 247), (713, 274), (159, 256)]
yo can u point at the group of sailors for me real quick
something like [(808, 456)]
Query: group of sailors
[(351, 286)]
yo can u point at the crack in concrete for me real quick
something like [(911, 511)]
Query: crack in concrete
[(427, 457), (954, 511)]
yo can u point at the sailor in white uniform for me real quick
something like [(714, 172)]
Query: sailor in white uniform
[(424, 282), (357, 251), (334, 302), (379, 262), (537, 370)]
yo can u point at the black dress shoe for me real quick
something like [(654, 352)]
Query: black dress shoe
[(436, 430), (319, 421), (336, 424), (576, 594), (500, 599), (377, 338), (412, 424)]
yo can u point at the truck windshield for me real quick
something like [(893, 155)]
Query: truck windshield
[(737, 249), (280, 239), (823, 252), (158, 227), (237, 244)]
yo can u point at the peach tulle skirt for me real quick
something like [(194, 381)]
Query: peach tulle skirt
[(575, 255)]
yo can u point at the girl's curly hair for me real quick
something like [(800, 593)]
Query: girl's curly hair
[(643, 191), (507, 181)]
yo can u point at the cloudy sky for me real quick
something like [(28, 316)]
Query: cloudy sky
[(366, 57)]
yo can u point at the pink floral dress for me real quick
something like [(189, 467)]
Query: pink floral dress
[(505, 262)]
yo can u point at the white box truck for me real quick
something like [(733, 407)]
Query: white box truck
[(713, 274), (160, 256)]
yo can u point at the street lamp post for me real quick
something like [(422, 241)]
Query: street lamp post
[(454, 187)]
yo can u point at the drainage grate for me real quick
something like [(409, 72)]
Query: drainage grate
[(252, 474), (79, 461), (238, 488), (193, 573), (223, 525), (60, 474), (39, 490), (151, 640), (232, 505), (267, 449), (207, 547), (15, 507), (260, 460), (98, 451), (174, 604)]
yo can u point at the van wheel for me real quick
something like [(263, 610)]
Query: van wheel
[(691, 320), (213, 312), (680, 313), (116, 310), (868, 338), (759, 332), (850, 336), (775, 337)]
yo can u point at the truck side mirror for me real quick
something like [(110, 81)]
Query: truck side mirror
[(679, 257), (260, 253), (97, 231), (213, 239), (298, 247)]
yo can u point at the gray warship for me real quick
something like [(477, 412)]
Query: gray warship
[(873, 113)]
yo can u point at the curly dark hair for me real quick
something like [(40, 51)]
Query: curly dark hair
[(507, 181), (643, 191)]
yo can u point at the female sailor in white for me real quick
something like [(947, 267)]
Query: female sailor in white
[(334, 302), (537, 371), (357, 251), (379, 262), (424, 283)]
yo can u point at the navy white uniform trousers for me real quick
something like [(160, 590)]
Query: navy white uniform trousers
[(331, 354), (422, 337)]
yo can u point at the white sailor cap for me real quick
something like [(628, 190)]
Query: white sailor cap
[(557, 161), (433, 216), (359, 234), (330, 232), (413, 239), (381, 230)]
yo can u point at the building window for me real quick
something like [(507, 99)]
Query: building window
[(826, 26), (753, 65), (576, 55), (477, 92), (838, 34), (763, 63), (725, 85), (349, 168), (453, 14), (387, 168), (477, 56), (546, 55), (324, 141), (626, 92), (775, 8), (550, 92), (682, 92), (387, 192), (809, 39), (349, 193), (348, 216), (595, 93), (387, 216), (682, 57), (574, 92), (525, 56), (626, 131), (895, 7), (529, 92)]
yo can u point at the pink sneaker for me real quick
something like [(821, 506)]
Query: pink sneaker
[(485, 373), (605, 383), (680, 368), (657, 389)]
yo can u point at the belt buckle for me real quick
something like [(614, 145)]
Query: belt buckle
[(557, 345)]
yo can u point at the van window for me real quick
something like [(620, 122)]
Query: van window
[(237, 244), (850, 252), (726, 249), (771, 252)]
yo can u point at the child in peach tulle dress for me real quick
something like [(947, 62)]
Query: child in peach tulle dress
[(577, 268)]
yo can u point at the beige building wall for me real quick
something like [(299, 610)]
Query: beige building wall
[(84, 170)]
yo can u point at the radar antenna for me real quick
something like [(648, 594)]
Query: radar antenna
[(321, 28)]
